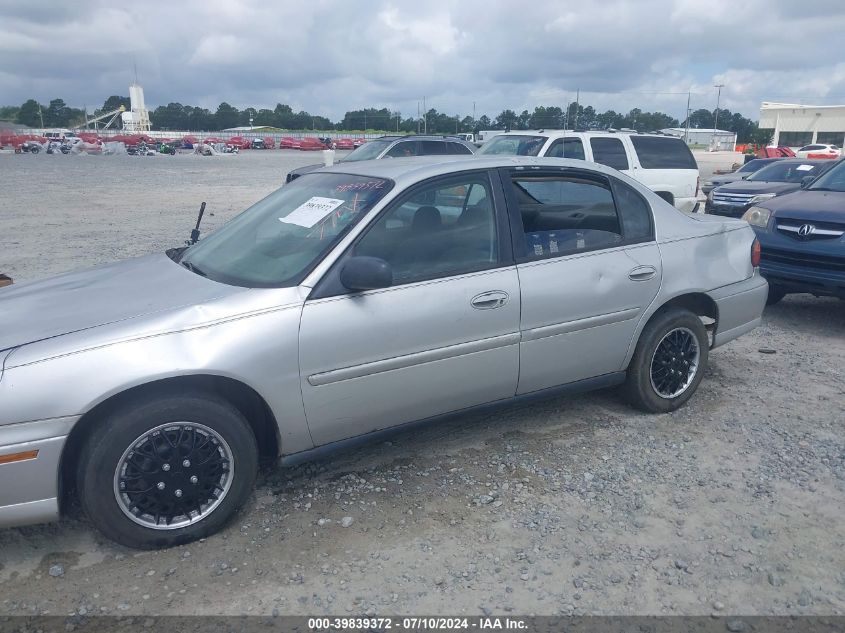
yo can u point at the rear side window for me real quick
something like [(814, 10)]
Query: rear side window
[(610, 152), (405, 148), (457, 148), (634, 211), (663, 153), (430, 148), (566, 214), (567, 148)]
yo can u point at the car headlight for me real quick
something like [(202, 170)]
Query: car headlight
[(757, 216), (761, 197)]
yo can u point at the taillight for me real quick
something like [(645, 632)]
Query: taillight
[(755, 253)]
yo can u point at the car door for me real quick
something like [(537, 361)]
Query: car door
[(444, 336), (588, 267)]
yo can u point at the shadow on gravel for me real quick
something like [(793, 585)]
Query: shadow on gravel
[(807, 314)]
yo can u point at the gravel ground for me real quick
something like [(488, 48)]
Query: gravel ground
[(733, 504)]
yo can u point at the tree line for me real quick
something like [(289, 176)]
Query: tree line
[(175, 116)]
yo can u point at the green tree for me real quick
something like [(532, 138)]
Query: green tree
[(225, 117), (9, 113), (506, 120), (28, 114)]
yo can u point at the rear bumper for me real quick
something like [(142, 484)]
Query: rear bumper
[(740, 308), (29, 485)]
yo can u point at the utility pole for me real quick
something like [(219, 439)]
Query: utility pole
[(686, 131), (473, 116), (40, 115), (425, 118), (418, 117), (577, 102), (716, 121)]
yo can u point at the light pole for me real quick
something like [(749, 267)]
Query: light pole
[(716, 121)]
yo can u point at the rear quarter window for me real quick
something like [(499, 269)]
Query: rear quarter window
[(610, 152), (663, 153)]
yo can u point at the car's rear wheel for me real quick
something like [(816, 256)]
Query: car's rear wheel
[(167, 471), (668, 363), (776, 293)]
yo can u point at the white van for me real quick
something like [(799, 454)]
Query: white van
[(664, 164)]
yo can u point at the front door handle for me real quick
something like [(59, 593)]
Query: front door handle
[(489, 300), (642, 273)]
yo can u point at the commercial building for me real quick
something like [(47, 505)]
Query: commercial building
[(796, 125), (705, 137)]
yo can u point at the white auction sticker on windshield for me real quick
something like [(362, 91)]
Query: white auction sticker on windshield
[(804, 167), (312, 211)]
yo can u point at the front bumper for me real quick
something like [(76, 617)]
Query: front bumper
[(814, 267), (727, 210), (740, 308), (29, 485)]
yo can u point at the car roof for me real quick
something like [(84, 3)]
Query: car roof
[(402, 170), (553, 133), (417, 137)]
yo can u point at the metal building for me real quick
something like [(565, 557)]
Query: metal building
[(796, 125), (705, 137)]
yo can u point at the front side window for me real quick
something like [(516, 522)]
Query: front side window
[(278, 240), (610, 152), (443, 229), (567, 148), (566, 214), (368, 151)]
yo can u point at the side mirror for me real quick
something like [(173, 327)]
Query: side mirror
[(806, 180), (366, 273)]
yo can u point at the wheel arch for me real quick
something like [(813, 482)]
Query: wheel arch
[(243, 397), (697, 302)]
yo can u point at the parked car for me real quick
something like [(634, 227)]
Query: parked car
[(269, 142), (496, 278), (664, 164), (819, 150), (783, 176), (717, 180), (240, 142), (288, 142), (344, 143), (258, 143), (396, 147), (802, 235)]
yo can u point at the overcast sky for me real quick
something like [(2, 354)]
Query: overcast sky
[(330, 56)]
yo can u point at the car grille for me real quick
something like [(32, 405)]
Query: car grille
[(732, 199), (805, 260), (806, 230)]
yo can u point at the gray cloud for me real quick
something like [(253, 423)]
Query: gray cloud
[(327, 56)]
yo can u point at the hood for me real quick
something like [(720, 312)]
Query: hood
[(806, 204), (761, 186), (86, 299), (725, 178)]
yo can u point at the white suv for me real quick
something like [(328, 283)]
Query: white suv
[(664, 164)]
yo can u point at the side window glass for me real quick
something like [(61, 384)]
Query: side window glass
[(430, 148), (635, 212), (405, 148), (610, 152), (444, 229), (566, 214), (457, 148), (567, 148)]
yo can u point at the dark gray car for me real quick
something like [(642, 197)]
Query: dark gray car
[(397, 147), (749, 168)]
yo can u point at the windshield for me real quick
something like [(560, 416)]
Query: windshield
[(753, 165), (833, 180), (783, 171), (368, 151), (514, 145), (279, 239)]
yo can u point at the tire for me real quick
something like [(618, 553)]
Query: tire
[(35, 150), (137, 455), (776, 293), (663, 393)]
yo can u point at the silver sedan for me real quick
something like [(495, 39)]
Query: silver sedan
[(358, 299)]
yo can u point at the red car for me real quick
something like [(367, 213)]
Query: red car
[(269, 142), (310, 143), (344, 143), (289, 143), (240, 142)]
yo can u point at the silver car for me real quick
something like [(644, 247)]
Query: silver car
[(359, 298)]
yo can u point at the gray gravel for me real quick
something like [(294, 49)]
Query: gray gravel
[(733, 504)]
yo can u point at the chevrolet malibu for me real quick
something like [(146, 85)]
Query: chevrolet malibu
[(356, 299)]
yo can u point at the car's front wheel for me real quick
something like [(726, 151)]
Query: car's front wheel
[(162, 472), (668, 363)]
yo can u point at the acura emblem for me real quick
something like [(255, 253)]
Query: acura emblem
[(806, 230)]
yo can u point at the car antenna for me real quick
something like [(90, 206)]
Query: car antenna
[(195, 233)]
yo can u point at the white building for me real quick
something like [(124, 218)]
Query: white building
[(707, 137), (798, 125)]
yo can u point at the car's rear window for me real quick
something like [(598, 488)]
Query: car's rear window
[(663, 153)]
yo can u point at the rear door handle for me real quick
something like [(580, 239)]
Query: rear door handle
[(489, 300), (642, 273)]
